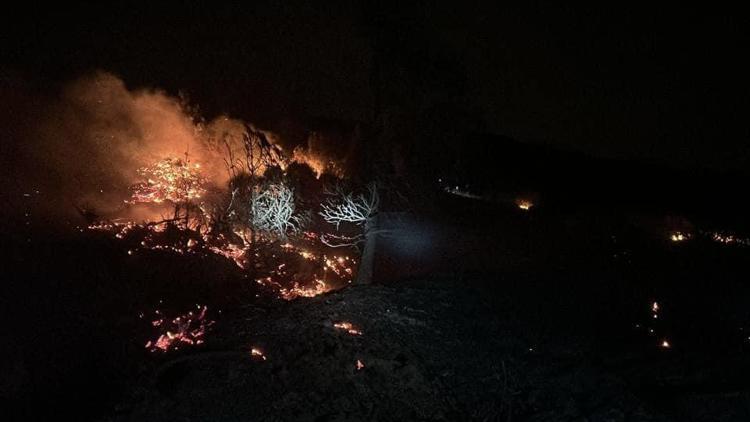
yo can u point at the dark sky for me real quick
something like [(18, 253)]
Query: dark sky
[(668, 85)]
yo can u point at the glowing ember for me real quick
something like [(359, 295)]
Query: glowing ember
[(729, 239), (188, 329), (339, 265), (524, 204), (318, 288), (171, 179), (256, 353), (293, 279), (348, 327), (359, 365), (290, 270), (679, 237), (317, 163), (233, 252)]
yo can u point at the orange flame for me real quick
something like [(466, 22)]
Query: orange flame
[(257, 353), (348, 327)]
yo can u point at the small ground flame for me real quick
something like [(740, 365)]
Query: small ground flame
[(348, 327), (318, 288), (524, 204), (186, 329), (729, 239), (256, 353), (359, 365), (679, 237)]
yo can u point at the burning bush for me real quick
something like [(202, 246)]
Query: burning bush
[(257, 213), (171, 179), (175, 181)]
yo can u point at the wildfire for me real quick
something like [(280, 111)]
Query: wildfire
[(655, 310), (121, 229), (348, 327), (359, 365), (275, 266), (188, 328), (256, 353), (655, 307), (679, 237), (317, 163), (318, 288), (715, 236), (333, 272), (339, 265), (171, 179), (524, 204), (203, 227), (236, 253), (729, 239)]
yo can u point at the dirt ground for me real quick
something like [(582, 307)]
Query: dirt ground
[(430, 352), (542, 319), (530, 317)]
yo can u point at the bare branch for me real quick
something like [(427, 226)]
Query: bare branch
[(350, 208), (337, 241), (273, 210)]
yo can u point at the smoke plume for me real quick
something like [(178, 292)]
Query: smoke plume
[(83, 147)]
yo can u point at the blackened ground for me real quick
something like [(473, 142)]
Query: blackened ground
[(431, 350), (523, 317), (514, 316)]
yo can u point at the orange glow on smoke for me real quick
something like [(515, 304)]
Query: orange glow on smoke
[(317, 163), (171, 179)]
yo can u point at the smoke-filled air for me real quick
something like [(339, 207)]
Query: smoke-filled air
[(89, 145)]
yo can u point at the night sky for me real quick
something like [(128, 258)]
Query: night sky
[(665, 85)]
